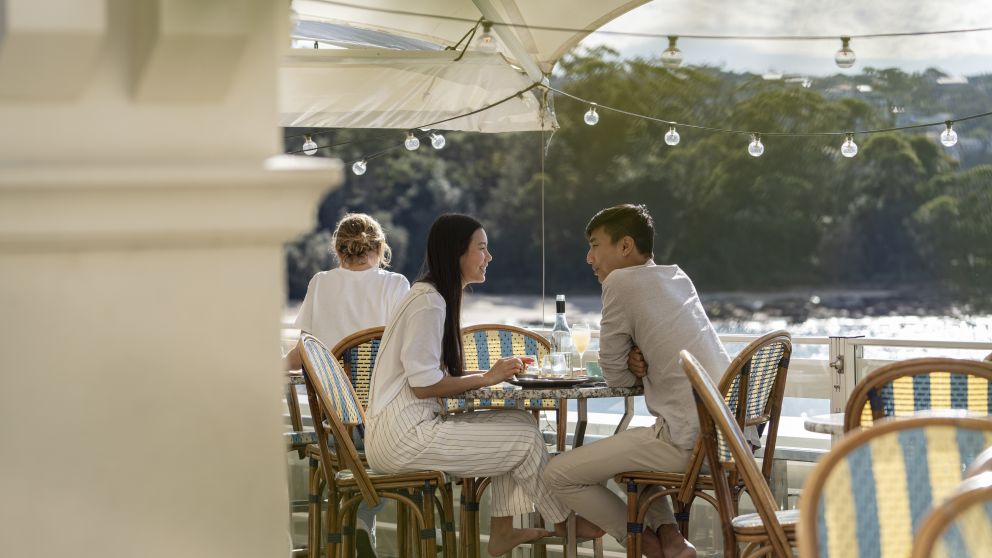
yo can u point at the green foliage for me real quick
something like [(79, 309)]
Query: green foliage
[(305, 257), (800, 215), (954, 231)]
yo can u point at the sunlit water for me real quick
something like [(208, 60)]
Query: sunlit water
[(527, 311)]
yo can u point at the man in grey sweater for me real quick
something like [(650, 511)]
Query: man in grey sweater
[(650, 313)]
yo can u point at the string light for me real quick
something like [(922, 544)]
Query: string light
[(672, 137), (949, 137), (845, 56), (755, 148), (487, 42), (849, 148), (309, 146), (411, 143), (437, 140), (592, 117), (671, 57)]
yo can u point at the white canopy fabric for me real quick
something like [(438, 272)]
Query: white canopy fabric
[(388, 70), (407, 90)]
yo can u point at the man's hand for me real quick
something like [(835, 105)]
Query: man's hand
[(636, 363)]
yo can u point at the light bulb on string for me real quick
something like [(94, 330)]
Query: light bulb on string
[(949, 137), (591, 117), (672, 137), (359, 167), (755, 148), (849, 148), (845, 56), (671, 57), (487, 41), (411, 143), (437, 140), (309, 146)]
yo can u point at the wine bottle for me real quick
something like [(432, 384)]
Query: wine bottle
[(561, 335)]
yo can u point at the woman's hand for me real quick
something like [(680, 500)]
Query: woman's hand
[(503, 370)]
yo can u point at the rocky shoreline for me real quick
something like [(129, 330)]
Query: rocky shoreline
[(801, 306)]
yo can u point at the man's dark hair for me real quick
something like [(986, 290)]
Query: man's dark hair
[(626, 220)]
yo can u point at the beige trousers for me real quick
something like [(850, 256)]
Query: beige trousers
[(578, 477)]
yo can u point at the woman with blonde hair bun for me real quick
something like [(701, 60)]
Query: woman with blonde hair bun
[(357, 295)]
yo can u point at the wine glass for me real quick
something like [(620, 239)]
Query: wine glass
[(580, 338)]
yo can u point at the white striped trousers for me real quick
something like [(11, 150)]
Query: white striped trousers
[(409, 435)]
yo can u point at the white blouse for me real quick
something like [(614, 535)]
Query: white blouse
[(340, 302), (411, 348)]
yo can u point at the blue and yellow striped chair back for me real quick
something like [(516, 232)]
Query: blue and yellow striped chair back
[(961, 526), (484, 344), (357, 354), (867, 497), (904, 388), (753, 377), (332, 381)]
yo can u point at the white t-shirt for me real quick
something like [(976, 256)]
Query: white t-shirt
[(340, 302), (411, 348)]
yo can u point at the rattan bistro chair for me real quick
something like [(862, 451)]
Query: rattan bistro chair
[(770, 530), (757, 377), (356, 354), (903, 388), (867, 496), (336, 411), (961, 526), (484, 344)]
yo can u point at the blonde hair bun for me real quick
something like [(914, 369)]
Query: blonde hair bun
[(359, 236)]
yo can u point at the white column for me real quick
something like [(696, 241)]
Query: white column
[(142, 216)]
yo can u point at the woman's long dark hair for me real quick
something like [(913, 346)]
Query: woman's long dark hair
[(447, 241)]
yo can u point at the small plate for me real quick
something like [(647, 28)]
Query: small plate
[(547, 382)]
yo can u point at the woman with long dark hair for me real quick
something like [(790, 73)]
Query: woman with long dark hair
[(420, 361)]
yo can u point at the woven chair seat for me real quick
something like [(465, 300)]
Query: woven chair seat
[(752, 524), (299, 439), (347, 478), (703, 482)]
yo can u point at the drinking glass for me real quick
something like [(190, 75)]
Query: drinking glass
[(580, 338), (553, 364), (531, 364)]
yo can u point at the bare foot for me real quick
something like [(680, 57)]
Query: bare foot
[(502, 541), (673, 545), (584, 529), (650, 545)]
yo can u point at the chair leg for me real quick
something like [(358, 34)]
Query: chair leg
[(539, 550), (447, 514), (633, 528), (470, 518), (349, 548), (332, 523), (427, 534), (402, 531), (313, 511), (597, 547), (571, 542), (682, 510)]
